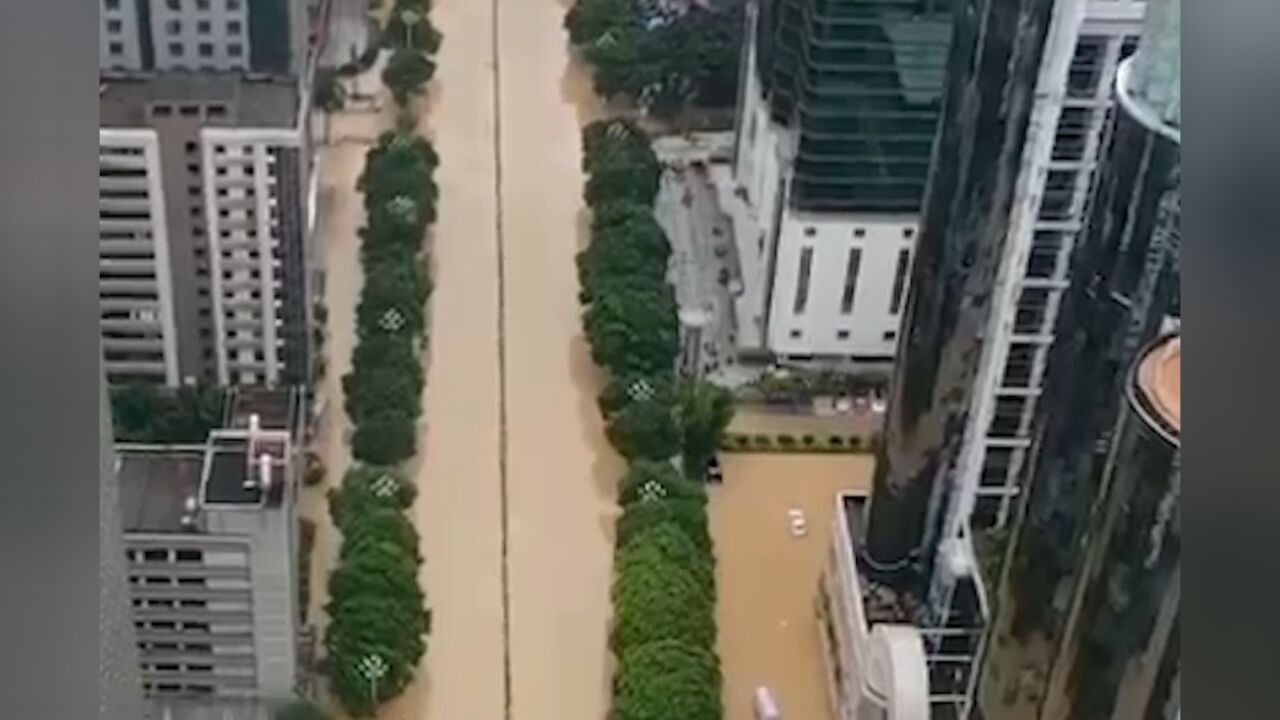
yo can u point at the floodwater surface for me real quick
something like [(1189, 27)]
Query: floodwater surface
[(515, 480), (767, 578)]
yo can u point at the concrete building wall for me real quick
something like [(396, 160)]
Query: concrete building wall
[(119, 683), (839, 284), (136, 282), (119, 37), (200, 34), (248, 236)]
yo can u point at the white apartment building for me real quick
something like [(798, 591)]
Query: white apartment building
[(205, 222), (139, 338), (203, 35), (1066, 134)]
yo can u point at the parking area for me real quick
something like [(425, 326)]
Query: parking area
[(767, 575)]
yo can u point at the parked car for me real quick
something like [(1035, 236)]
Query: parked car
[(715, 473)]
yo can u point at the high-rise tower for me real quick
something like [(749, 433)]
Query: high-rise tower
[(838, 107), (1106, 654)]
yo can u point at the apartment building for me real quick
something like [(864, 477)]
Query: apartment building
[(838, 107), (210, 540), (1066, 140), (261, 36), (207, 197)]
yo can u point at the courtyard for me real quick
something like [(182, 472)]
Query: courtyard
[(767, 577)]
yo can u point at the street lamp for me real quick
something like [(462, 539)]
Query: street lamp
[(372, 668), (409, 17)]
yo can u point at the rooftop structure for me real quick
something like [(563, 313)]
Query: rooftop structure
[(213, 99), (210, 538), (1158, 384)]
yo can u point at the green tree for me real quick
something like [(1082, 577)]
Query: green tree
[(646, 429), (392, 290), (387, 354), (634, 330), (368, 489), (620, 165), (630, 251), (384, 437), (365, 625), (656, 599), (370, 392), (665, 680), (380, 526), (147, 413), (421, 35), (407, 74), (648, 480), (689, 515), (376, 567), (301, 709), (400, 165), (705, 412), (667, 541), (587, 20)]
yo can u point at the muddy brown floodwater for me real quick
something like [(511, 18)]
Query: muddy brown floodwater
[(768, 633), (515, 480)]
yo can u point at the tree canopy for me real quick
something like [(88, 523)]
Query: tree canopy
[(407, 74), (665, 680)]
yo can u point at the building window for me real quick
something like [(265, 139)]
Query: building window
[(235, 49), (1032, 311), (233, 27), (899, 281), (795, 334), (1059, 193), (206, 49), (204, 27), (161, 110), (859, 232), (216, 110), (112, 4), (189, 110), (202, 4), (842, 334), (173, 27), (1006, 421), (175, 49), (851, 280), (115, 27), (802, 281), (889, 335), (810, 231), (1085, 74), (1129, 46), (115, 48), (908, 233), (1072, 133), (233, 5), (1018, 366)]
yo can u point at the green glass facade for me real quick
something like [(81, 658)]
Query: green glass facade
[(860, 81)]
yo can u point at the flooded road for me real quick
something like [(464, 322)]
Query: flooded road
[(561, 472), (767, 579), (515, 479)]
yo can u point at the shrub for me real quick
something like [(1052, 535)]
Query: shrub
[(763, 442), (300, 709), (786, 441), (314, 473), (669, 541), (855, 443), (384, 437), (665, 680), (808, 440), (407, 74), (835, 441)]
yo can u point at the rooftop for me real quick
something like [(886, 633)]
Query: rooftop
[(154, 487), (235, 475), (1159, 382), (125, 100)]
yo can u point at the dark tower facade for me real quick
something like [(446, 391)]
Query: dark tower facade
[(995, 57), (861, 83), (1065, 648)]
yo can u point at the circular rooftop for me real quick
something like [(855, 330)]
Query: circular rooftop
[(1159, 380)]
